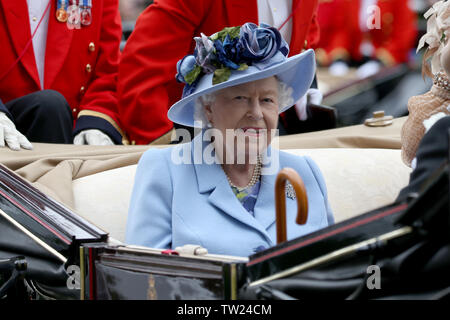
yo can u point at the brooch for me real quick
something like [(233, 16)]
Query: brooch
[(290, 192)]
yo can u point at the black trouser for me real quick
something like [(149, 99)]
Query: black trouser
[(43, 116)]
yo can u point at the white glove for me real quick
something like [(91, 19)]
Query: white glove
[(414, 163), (368, 69), (338, 69), (312, 96), (10, 135), (428, 123), (191, 249), (92, 137)]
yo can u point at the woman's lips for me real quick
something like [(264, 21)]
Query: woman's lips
[(252, 131)]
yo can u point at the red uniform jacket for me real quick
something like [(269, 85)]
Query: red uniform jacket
[(336, 20), (164, 34), (81, 64), (341, 35)]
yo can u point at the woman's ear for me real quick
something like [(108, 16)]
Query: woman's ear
[(445, 59), (208, 112)]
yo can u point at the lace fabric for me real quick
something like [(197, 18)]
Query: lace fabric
[(421, 108)]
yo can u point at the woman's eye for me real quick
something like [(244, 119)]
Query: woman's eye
[(239, 98), (268, 100)]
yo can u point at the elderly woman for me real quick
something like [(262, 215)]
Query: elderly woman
[(218, 190)]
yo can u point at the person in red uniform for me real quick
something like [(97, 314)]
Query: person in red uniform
[(335, 18), (163, 35), (382, 32), (58, 71)]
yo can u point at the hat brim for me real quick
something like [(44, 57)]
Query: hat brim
[(297, 72)]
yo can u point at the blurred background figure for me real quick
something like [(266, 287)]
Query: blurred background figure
[(335, 44), (367, 56), (129, 12), (394, 78), (368, 33), (131, 9)]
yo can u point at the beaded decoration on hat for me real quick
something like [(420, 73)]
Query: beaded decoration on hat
[(441, 80)]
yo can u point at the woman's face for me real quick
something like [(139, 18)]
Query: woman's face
[(249, 112)]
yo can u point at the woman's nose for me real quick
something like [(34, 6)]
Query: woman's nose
[(255, 111)]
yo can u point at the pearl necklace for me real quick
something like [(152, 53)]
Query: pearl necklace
[(255, 177)]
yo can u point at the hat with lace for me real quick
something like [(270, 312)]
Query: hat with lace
[(435, 39), (437, 100), (237, 55)]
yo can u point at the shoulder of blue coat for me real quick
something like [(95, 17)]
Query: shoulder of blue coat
[(302, 164), (289, 159), (156, 156)]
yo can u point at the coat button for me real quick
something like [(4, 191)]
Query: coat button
[(306, 44), (74, 110), (82, 89), (91, 47), (88, 68)]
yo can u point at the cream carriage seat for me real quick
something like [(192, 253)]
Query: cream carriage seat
[(358, 180)]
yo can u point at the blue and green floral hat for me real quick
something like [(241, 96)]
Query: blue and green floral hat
[(238, 55)]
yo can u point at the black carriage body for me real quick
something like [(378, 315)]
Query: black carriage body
[(408, 243), (69, 258), (330, 262), (347, 234), (47, 234), (124, 272)]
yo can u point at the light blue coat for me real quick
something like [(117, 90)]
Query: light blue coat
[(177, 204)]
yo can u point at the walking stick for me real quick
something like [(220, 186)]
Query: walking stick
[(289, 174)]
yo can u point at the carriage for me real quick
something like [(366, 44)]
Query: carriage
[(389, 250)]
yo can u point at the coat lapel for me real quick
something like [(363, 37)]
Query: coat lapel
[(223, 198), (211, 178), (265, 203), (59, 39), (17, 19), (240, 12)]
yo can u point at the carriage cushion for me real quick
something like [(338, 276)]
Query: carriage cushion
[(358, 181)]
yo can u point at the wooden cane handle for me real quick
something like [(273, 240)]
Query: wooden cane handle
[(289, 174)]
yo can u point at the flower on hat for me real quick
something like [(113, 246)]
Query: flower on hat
[(187, 69), (204, 53), (261, 43), (438, 25), (233, 48)]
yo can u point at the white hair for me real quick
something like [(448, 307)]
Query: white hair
[(284, 99), (199, 109)]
